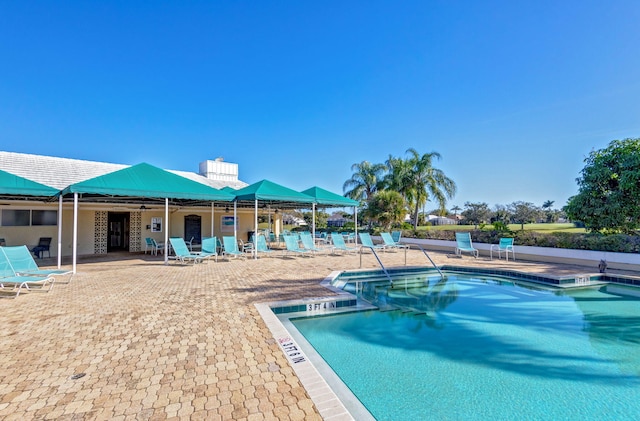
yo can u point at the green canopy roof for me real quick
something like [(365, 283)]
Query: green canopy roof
[(327, 198), (13, 185), (269, 191), (146, 181)]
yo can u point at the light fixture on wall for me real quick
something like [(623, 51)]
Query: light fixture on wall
[(276, 211), (226, 209), (143, 208)]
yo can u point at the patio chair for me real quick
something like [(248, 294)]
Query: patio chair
[(395, 235), (23, 264), (9, 277), (390, 244), (230, 247), (43, 246), (152, 246), (2, 242), (463, 240), (504, 246), (261, 245), (292, 246), (307, 242), (338, 243), (182, 251), (366, 241), (209, 247)]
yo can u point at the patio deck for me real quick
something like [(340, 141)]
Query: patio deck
[(170, 342)]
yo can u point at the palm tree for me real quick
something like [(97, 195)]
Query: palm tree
[(548, 204), (427, 182), (365, 181)]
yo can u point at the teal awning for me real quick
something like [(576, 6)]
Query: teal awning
[(268, 191), (149, 182), (326, 198), (12, 185)]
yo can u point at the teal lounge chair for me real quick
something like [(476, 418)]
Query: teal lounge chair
[(463, 240), (209, 247), (23, 264), (366, 241), (395, 235), (261, 245), (307, 242), (230, 247), (390, 244), (9, 277), (292, 246), (338, 243), (182, 251), (504, 246)]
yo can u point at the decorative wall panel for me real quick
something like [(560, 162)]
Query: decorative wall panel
[(100, 237), (135, 231)]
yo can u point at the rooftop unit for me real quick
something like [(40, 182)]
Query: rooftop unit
[(219, 170)]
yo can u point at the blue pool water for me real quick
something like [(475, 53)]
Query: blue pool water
[(472, 348)]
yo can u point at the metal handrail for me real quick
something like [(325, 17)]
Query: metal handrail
[(429, 257), (384, 269)]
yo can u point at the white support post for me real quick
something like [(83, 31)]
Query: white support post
[(355, 222), (166, 231), (75, 231), (313, 221), (235, 220), (255, 230), (59, 231)]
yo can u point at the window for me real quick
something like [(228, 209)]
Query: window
[(44, 217), (15, 218)]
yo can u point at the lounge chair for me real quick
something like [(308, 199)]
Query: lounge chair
[(463, 240), (338, 243), (9, 277), (182, 251), (504, 246), (292, 246), (43, 246), (395, 235), (209, 247), (230, 247), (261, 245), (307, 242), (390, 244), (366, 241), (23, 264)]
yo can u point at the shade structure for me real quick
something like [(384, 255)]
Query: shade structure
[(13, 186), (268, 191), (325, 198), (148, 182)]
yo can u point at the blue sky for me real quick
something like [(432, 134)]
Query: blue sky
[(513, 95)]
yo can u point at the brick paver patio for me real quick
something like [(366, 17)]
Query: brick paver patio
[(169, 342)]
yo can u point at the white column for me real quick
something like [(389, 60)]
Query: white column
[(255, 229), (213, 218), (235, 220), (59, 231), (355, 222), (313, 221), (75, 231), (166, 231)]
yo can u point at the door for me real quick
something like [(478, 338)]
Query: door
[(118, 239), (193, 228)]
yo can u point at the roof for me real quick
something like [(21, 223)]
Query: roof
[(12, 186), (146, 181), (327, 198), (60, 173), (268, 191)]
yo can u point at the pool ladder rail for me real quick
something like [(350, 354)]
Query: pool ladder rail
[(384, 269)]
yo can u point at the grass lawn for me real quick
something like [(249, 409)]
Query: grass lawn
[(565, 227)]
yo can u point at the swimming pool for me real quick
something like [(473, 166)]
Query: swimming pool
[(478, 347)]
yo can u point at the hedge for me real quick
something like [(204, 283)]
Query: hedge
[(622, 243)]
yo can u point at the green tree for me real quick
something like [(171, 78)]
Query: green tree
[(524, 212), (609, 189), (476, 213), (321, 218), (426, 182), (386, 207), (365, 181)]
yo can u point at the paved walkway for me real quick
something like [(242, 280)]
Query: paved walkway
[(169, 342)]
